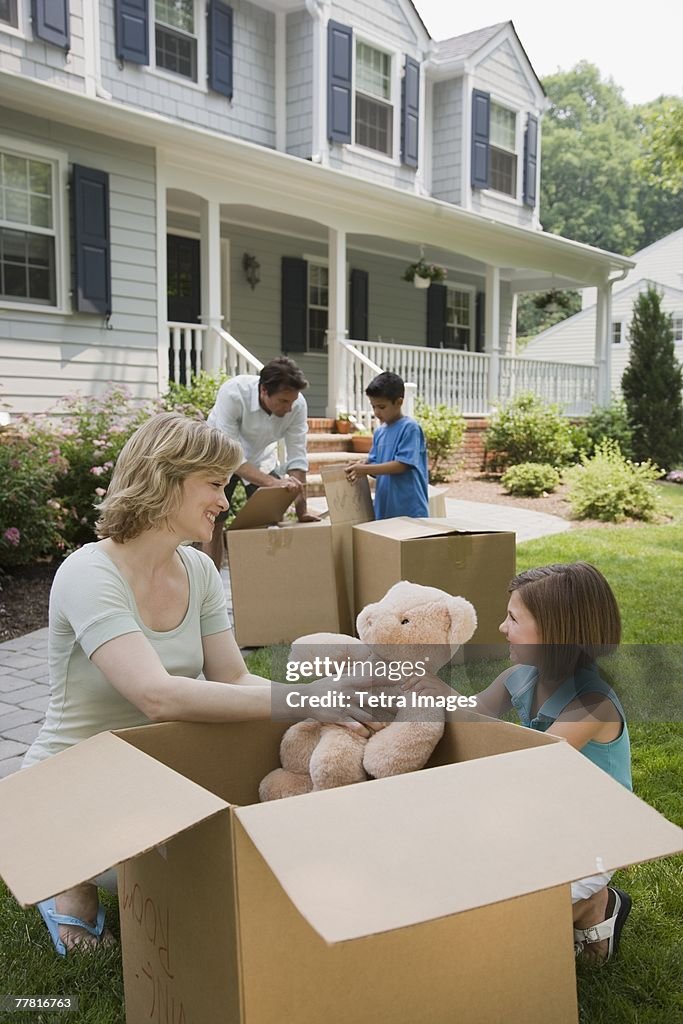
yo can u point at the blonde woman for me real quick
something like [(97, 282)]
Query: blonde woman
[(138, 616)]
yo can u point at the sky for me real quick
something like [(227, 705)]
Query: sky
[(641, 49)]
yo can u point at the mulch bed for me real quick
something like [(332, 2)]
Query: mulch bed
[(24, 596)]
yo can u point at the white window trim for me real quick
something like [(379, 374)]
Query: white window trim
[(395, 100), (677, 341), (20, 29), (622, 332), (314, 260), (60, 186), (201, 85), (456, 286), (518, 111)]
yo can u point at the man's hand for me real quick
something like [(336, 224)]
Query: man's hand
[(355, 470), (290, 482), (307, 517)]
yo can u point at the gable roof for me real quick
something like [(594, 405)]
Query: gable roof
[(590, 311), (671, 239), (465, 45)]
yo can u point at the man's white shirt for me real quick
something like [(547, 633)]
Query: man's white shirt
[(238, 413)]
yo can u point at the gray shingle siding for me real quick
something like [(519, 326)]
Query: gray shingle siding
[(300, 84), (32, 58), (447, 141), (384, 18), (46, 356), (502, 72), (251, 113)]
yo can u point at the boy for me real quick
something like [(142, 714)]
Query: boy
[(398, 457)]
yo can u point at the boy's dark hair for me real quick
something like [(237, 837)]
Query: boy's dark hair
[(386, 385), (281, 373)]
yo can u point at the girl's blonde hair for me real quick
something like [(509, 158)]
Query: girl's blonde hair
[(146, 485), (576, 613)]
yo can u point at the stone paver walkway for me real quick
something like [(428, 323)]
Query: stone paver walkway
[(24, 689)]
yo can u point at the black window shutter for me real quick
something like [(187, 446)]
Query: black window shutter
[(480, 322), (358, 320), (410, 112), (132, 30), (530, 160), (436, 315), (220, 48), (294, 304), (481, 115), (339, 65), (90, 198), (51, 21)]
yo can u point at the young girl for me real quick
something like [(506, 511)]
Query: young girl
[(559, 619)]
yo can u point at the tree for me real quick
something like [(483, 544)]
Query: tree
[(652, 384), (663, 143)]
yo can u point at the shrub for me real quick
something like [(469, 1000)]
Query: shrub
[(530, 479), (444, 430), (30, 516), (609, 487), (527, 429), (91, 436), (197, 397), (652, 384), (609, 421)]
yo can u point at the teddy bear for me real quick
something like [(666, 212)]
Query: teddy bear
[(411, 623)]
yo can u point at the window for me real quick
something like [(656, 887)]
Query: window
[(176, 41), (374, 109), (678, 328), (318, 307), (8, 13), (459, 319), (27, 230), (616, 332), (503, 150)]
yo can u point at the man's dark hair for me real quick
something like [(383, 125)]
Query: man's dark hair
[(386, 385), (281, 373)]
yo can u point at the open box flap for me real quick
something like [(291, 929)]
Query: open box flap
[(404, 528), (266, 507), (347, 502), (88, 808), (373, 857)]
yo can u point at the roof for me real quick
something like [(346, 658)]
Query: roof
[(463, 46)]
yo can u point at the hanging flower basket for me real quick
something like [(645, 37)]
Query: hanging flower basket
[(422, 274)]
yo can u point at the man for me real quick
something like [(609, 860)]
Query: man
[(258, 412)]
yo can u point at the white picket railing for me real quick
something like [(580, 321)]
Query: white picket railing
[(185, 350), (455, 378), (573, 386), (355, 373), (236, 358)]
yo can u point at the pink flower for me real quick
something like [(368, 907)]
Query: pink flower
[(97, 470), (100, 492), (12, 536)]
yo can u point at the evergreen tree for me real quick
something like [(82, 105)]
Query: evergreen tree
[(652, 384)]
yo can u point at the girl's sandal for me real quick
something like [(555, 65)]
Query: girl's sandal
[(609, 930)]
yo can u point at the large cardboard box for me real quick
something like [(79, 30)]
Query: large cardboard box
[(452, 554), (431, 897), (290, 578)]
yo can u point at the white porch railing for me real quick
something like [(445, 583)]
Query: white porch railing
[(185, 350), (355, 373), (571, 385), (455, 378), (236, 358)]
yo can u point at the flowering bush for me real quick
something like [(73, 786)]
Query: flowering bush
[(91, 436), (530, 479), (195, 398), (609, 487), (444, 431), (31, 518)]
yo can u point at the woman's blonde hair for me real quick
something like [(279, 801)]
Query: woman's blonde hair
[(146, 485), (576, 613)]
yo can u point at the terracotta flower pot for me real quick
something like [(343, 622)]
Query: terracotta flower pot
[(361, 442), (343, 426)]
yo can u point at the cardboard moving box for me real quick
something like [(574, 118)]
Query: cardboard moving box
[(452, 554), (290, 578), (436, 896)]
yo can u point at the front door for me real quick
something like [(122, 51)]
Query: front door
[(184, 293)]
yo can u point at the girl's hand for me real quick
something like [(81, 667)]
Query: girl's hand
[(428, 684)]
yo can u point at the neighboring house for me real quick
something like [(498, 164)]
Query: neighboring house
[(187, 183), (572, 340)]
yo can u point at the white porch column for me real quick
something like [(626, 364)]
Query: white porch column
[(319, 11), (280, 81), (162, 280), (492, 330), (210, 261), (603, 342), (336, 324)]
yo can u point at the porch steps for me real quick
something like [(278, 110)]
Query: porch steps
[(325, 447)]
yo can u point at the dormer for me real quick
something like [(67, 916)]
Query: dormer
[(486, 105)]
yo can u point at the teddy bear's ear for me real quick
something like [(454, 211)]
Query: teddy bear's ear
[(463, 620), (365, 617)]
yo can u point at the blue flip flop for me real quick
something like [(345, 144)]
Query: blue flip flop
[(53, 920)]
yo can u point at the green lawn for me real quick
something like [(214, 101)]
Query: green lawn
[(645, 985)]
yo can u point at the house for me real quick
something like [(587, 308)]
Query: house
[(193, 183), (659, 265)]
